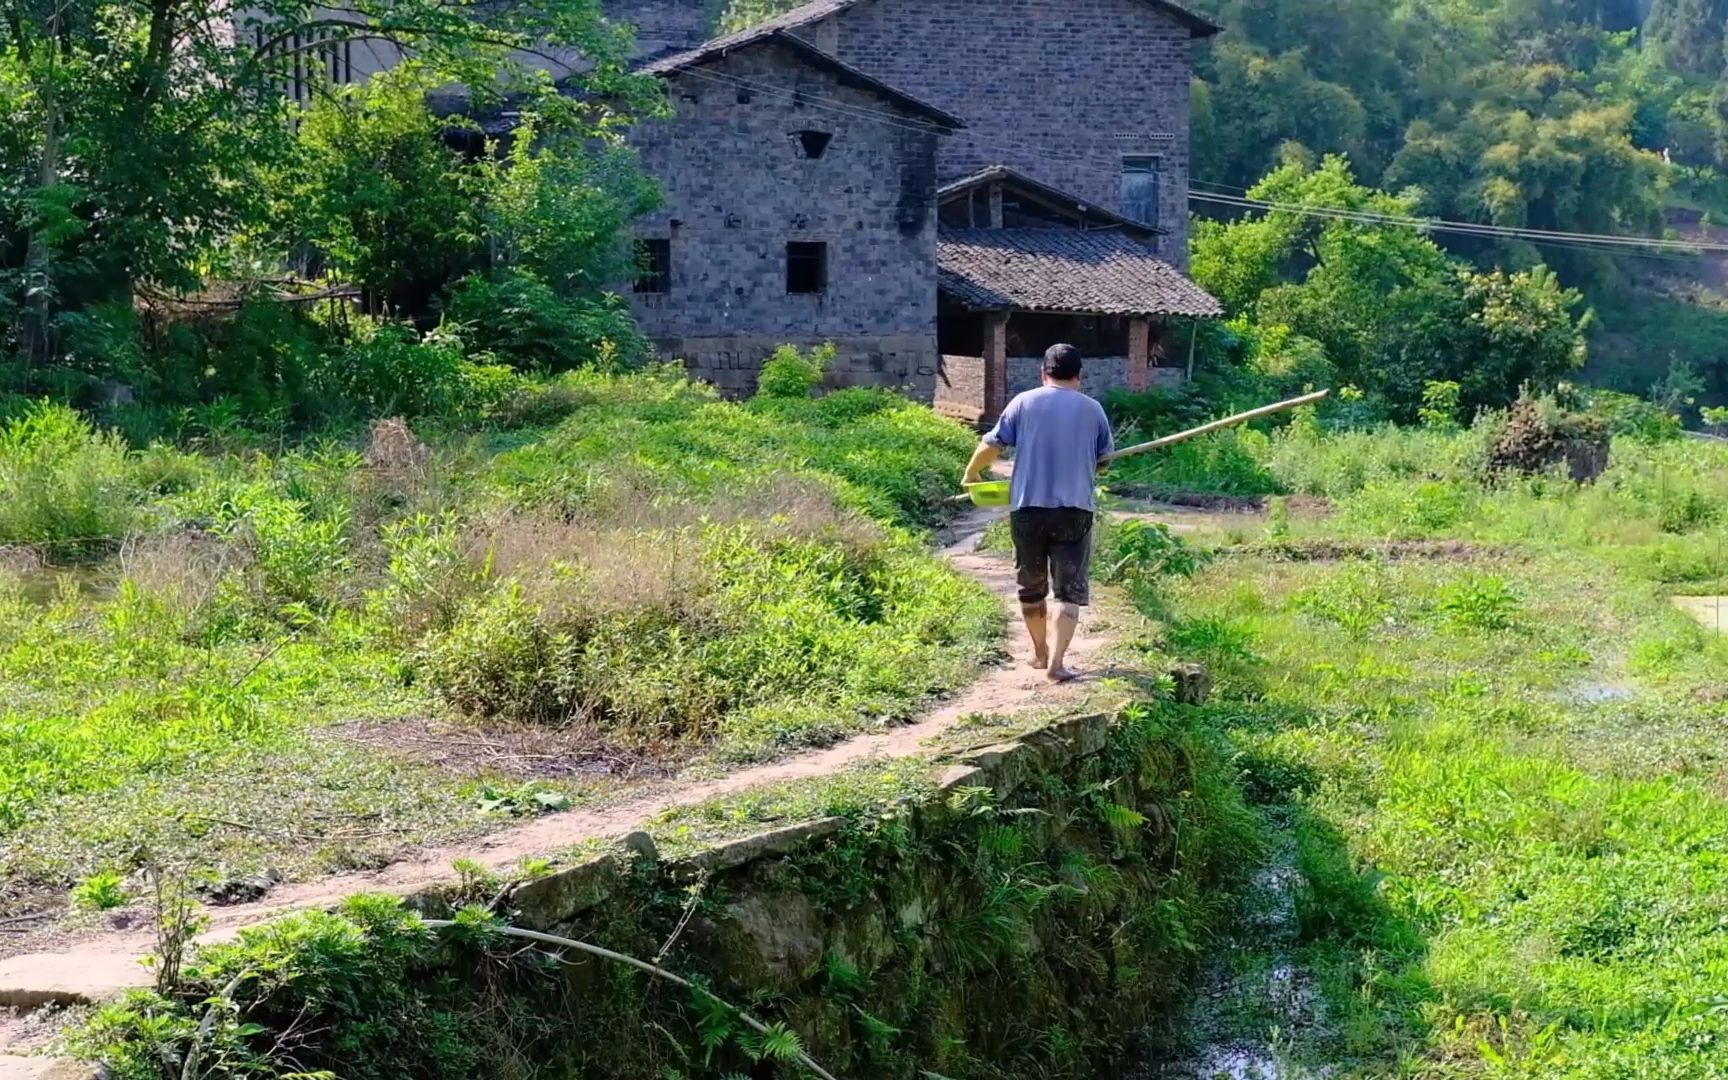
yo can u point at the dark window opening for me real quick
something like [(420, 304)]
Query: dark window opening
[(653, 266), (812, 144), (959, 330), (1140, 189), (806, 267)]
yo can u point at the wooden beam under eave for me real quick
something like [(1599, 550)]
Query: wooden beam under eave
[(995, 365), (1139, 354)]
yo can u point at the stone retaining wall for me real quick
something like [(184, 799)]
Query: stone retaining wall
[(1022, 907)]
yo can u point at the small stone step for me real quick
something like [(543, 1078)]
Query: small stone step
[(43, 1068), (38, 979)]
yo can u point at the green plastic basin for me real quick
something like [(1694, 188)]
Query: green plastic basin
[(989, 493)]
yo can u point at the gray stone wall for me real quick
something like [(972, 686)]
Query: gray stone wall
[(1101, 375), (737, 190), (662, 24), (960, 383), (1060, 89)]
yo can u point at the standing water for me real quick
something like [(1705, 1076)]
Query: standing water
[(1255, 1003)]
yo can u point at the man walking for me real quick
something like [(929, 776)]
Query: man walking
[(1060, 436)]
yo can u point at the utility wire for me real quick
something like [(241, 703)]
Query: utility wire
[(1370, 217)]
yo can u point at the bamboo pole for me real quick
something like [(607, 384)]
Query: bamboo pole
[(1217, 425), (1195, 433)]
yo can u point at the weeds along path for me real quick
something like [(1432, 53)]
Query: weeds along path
[(100, 966)]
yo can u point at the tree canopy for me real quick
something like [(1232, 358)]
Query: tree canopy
[(1323, 299), (145, 140)]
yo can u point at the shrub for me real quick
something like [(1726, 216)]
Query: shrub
[(1156, 412), (518, 318), (1539, 435), (63, 484), (393, 371), (1440, 406), (100, 892), (1631, 416), (792, 374), (1136, 552), (1228, 462), (496, 660), (1479, 601)]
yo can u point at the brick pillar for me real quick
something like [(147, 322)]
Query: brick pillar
[(995, 365), (1139, 354)]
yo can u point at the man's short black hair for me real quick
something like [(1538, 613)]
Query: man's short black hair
[(1062, 363)]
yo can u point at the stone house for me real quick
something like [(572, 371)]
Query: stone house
[(940, 188), (1048, 155), (787, 223)]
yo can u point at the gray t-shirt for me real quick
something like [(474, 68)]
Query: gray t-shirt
[(1058, 436)]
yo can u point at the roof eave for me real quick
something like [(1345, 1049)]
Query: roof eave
[(1050, 194), (998, 309), (678, 63)]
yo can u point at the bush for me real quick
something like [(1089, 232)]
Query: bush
[(519, 319), (393, 371), (63, 484), (1631, 416), (792, 374), (1539, 435), (496, 660)]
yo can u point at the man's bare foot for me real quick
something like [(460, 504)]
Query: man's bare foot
[(1040, 663), (1061, 675)]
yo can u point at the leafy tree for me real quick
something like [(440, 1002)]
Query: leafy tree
[(139, 130), (375, 190), (1380, 305), (556, 206), (1688, 34)]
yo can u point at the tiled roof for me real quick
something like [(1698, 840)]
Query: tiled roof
[(769, 34), (817, 10), (1064, 270), (1016, 178)]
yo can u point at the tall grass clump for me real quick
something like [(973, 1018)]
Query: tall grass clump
[(64, 485), (770, 617)]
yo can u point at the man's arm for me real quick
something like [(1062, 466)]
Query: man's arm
[(982, 458), (1004, 434)]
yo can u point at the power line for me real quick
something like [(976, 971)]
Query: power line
[(1371, 217)]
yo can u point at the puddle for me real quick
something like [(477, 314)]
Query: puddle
[(44, 584), (1597, 693)]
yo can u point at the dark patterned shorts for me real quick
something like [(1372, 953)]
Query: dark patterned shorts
[(1053, 546)]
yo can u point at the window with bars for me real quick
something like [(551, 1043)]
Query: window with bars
[(307, 59), (1140, 183)]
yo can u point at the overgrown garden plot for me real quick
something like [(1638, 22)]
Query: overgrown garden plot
[(1501, 755), (205, 657)]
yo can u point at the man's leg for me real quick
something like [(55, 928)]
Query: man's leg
[(1037, 627), (1032, 568), (1071, 567), (1067, 622)]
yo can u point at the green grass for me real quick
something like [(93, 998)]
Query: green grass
[(1500, 760), (624, 562)]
